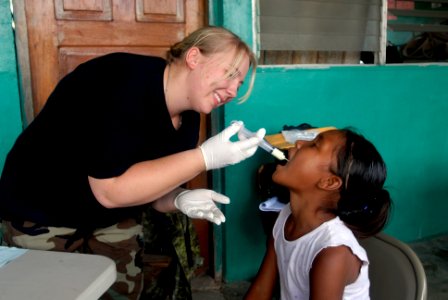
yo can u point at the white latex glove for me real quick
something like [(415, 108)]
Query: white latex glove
[(200, 204), (219, 151)]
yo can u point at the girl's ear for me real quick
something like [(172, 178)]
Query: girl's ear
[(331, 182), (192, 57)]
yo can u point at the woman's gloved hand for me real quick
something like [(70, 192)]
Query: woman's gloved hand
[(200, 204), (219, 151)]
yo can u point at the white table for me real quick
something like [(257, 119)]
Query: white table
[(49, 275)]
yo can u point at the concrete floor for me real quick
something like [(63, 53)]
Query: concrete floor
[(433, 254), (205, 288)]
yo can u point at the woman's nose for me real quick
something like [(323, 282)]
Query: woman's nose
[(232, 89)]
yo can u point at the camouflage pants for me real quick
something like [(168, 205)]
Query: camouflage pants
[(121, 242)]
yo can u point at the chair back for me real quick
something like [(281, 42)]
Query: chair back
[(395, 271)]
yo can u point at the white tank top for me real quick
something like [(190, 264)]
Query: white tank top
[(295, 258)]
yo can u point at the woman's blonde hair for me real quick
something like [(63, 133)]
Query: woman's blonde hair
[(210, 40)]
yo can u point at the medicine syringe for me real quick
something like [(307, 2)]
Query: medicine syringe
[(265, 145)]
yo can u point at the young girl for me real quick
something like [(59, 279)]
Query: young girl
[(336, 196)]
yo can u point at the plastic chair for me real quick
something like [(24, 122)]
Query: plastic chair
[(395, 271)]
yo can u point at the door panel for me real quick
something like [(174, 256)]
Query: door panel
[(64, 33), (94, 10), (71, 57)]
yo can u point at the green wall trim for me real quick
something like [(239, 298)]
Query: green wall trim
[(215, 16), (10, 121)]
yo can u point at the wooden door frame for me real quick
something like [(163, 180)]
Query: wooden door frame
[(23, 61)]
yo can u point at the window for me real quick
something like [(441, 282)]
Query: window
[(321, 31), (352, 31), (418, 31)]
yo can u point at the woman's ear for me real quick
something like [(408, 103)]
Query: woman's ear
[(331, 182), (192, 57)]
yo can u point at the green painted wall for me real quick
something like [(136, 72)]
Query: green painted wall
[(401, 109), (10, 120)]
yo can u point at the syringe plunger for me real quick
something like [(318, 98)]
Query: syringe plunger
[(264, 144)]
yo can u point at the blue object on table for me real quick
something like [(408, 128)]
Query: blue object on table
[(8, 254)]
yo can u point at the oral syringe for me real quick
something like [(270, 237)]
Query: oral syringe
[(264, 145)]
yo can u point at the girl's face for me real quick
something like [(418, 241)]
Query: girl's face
[(214, 81), (311, 161)]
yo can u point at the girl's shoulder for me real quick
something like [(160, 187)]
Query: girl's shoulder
[(335, 233)]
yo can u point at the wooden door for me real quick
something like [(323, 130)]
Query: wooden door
[(64, 33), (55, 36)]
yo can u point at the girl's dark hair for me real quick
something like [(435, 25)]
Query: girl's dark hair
[(364, 205)]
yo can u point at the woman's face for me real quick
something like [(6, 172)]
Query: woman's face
[(310, 161), (211, 86)]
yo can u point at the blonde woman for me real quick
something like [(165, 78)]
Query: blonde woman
[(117, 133)]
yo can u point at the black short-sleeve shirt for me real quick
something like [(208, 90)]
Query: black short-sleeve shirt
[(105, 116)]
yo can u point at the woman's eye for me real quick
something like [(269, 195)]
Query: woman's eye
[(231, 75)]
